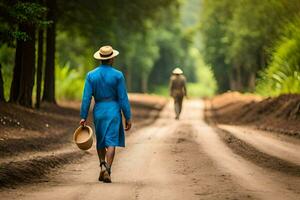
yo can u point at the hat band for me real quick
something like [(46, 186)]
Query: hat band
[(106, 55)]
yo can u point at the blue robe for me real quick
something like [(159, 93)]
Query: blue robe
[(107, 86)]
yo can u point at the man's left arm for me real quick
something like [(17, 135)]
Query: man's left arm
[(171, 87), (184, 87), (86, 100)]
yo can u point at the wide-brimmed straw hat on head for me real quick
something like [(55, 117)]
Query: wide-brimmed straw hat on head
[(105, 53), (177, 71)]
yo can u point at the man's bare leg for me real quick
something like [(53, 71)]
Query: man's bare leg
[(110, 154), (180, 99), (177, 107), (101, 154)]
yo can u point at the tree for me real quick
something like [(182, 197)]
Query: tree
[(24, 70), (23, 17), (238, 36), (170, 48), (49, 82), (39, 67), (15, 85), (282, 76), (1, 85), (27, 67), (215, 16), (121, 24)]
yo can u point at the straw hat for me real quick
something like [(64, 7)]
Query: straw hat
[(177, 71), (83, 137), (105, 53)]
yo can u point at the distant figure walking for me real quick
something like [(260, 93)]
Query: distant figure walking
[(107, 86), (178, 90)]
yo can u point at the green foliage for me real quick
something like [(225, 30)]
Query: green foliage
[(25, 12), (162, 90), (190, 12), (152, 42), (238, 34), (136, 28), (205, 84), (172, 48), (7, 61), (152, 37), (283, 73), (69, 83), (73, 50), (14, 13), (170, 56), (214, 20)]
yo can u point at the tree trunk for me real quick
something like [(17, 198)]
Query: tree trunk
[(15, 84), (39, 67), (239, 83), (1, 85), (27, 67), (49, 81), (262, 60), (144, 82), (251, 82), (128, 79), (232, 82)]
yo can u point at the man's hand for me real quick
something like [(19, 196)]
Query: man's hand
[(82, 122), (128, 125)]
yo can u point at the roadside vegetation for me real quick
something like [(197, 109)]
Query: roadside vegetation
[(252, 45), (283, 73)]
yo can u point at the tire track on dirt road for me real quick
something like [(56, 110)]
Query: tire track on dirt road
[(283, 148), (265, 183), (266, 159)]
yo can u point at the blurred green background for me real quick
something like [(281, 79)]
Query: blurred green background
[(243, 45)]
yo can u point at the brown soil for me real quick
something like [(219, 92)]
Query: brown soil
[(31, 170), (161, 161), (32, 142), (170, 159), (262, 159), (280, 114)]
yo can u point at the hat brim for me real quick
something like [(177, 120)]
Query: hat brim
[(98, 57), (177, 72)]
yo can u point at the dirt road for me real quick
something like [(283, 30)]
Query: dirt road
[(170, 159)]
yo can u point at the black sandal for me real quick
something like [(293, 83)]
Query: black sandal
[(106, 174), (101, 176)]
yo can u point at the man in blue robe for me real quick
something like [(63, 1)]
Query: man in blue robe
[(107, 86)]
